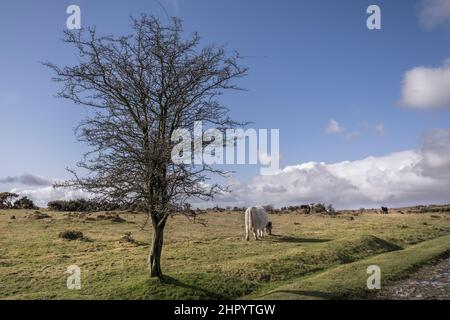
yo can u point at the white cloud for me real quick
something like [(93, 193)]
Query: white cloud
[(41, 196), (264, 158), (424, 88), (334, 127), (436, 154), (39, 189), (400, 178), (434, 13)]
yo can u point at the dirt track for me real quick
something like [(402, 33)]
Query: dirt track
[(429, 283)]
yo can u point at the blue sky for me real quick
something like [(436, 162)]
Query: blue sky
[(310, 62)]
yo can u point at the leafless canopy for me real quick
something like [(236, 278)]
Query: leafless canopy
[(141, 88)]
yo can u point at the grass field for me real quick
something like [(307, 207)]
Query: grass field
[(309, 256)]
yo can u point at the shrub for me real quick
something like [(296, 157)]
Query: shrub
[(82, 205), (24, 203), (71, 235)]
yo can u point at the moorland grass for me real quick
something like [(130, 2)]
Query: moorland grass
[(212, 261)]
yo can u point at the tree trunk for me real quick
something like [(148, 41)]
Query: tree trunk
[(154, 259)]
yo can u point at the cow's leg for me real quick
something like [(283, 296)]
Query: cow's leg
[(255, 233), (247, 224)]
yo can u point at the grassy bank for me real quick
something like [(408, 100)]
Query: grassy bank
[(349, 281)]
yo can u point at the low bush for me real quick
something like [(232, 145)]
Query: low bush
[(71, 235)]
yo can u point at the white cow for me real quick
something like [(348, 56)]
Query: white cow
[(257, 221)]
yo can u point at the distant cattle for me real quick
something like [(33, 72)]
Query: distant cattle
[(257, 221), (269, 228), (385, 210)]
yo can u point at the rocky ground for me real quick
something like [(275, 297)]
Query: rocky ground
[(429, 283)]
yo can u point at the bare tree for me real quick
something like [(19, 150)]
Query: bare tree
[(141, 88)]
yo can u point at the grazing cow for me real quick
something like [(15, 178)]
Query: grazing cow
[(256, 220), (385, 210)]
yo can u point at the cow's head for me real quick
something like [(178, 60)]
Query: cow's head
[(269, 228)]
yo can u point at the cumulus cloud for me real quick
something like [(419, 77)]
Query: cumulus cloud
[(401, 178), (434, 13), (436, 154), (39, 189), (424, 88), (334, 127), (27, 180)]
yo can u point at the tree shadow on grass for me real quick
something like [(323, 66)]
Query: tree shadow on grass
[(289, 239), (201, 291)]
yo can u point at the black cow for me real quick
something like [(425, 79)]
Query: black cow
[(385, 210), (269, 228)]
